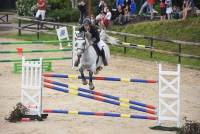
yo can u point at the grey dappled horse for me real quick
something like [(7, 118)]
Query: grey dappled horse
[(88, 57)]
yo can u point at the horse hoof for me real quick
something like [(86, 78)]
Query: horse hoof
[(91, 88), (98, 69), (84, 82)]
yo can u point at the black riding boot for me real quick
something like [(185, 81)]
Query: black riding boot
[(105, 62)]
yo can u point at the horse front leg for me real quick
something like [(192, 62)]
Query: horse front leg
[(84, 81), (91, 85)]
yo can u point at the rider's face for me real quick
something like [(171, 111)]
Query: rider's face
[(87, 27)]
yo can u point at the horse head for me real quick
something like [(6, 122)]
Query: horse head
[(80, 43)]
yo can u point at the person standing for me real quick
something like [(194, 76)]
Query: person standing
[(188, 5), (148, 3), (83, 10), (41, 5), (162, 10), (169, 9), (101, 6)]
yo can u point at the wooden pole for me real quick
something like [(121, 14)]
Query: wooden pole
[(89, 7)]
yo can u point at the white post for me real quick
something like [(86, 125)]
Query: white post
[(73, 46), (169, 96), (31, 85)]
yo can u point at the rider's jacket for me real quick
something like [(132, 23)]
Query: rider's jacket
[(94, 32)]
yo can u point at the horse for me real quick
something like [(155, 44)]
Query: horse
[(89, 58)]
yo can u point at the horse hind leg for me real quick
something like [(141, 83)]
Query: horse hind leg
[(84, 81), (91, 85), (98, 69)]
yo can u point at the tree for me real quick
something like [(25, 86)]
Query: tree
[(24, 7)]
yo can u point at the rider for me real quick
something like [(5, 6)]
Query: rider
[(88, 27)]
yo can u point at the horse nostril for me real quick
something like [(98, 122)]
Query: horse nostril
[(79, 54)]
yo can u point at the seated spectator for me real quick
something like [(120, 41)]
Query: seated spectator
[(120, 15), (127, 9), (176, 12), (126, 14), (102, 12), (105, 21), (92, 18), (99, 17), (162, 10)]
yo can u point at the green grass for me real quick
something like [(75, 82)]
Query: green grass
[(187, 30)]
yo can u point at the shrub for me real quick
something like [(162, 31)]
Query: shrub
[(24, 7), (64, 15)]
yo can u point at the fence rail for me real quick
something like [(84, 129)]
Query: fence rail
[(38, 24), (151, 46)]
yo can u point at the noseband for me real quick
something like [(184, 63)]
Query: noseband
[(84, 44)]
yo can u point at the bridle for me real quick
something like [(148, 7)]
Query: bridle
[(84, 44)]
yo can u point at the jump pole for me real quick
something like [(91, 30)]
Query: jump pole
[(123, 100), (35, 51), (34, 42), (108, 114), (100, 78), (65, 90), (36, 59)]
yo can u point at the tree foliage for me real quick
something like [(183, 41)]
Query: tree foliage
[(24, 7)]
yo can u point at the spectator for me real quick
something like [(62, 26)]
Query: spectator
[(169, 9), (105, 21), (92, 18), (127, 3), (83, 10), (127, 9), (101, 6), (99, 17), (147, 3), (162, 10), (41, 5), (188, 5), (101, 12), (126, 14), (132, 7), (119, 3), (176, 12), (120, 15), (105, 8)]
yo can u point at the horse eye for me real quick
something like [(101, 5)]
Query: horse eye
[(76, 44)]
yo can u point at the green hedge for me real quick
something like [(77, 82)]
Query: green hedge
[(65, 15), (24, 7)]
